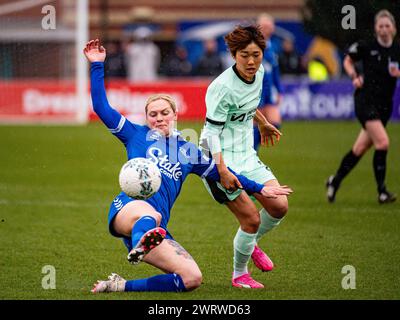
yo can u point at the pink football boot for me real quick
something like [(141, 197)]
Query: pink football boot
[(246, 281), (148, 242), (261, 260)]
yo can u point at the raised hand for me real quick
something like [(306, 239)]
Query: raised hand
[(268, 132), (94, 52)]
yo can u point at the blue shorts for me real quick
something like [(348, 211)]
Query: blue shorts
[(118, 203)]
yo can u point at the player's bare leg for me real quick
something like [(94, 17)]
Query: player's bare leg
[(277, 207), (171, 257), (362, 143), (245, 212)]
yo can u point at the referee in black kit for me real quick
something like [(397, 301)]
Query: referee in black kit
[(373, 100)]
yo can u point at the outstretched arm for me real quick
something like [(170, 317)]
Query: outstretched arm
[(96, 54), (253, 187), (206, 168)]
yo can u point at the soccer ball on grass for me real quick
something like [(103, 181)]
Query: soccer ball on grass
[(140, 178)]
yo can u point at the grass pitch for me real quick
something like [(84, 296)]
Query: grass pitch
[(56, 184)]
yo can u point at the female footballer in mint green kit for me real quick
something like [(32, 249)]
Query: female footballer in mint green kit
[(232, 100)]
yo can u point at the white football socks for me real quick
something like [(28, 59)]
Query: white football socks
[(243, 246), (267, 223)]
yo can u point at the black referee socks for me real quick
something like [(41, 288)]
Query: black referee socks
[(348, 163), (379, 164)]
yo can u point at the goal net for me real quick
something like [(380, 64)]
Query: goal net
[(43, 73)]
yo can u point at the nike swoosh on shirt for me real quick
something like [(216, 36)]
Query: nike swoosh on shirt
[(241, 106)]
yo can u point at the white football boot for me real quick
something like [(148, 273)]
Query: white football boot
[(115, 283)]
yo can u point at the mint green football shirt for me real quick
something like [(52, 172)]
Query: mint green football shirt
[(232, 103)]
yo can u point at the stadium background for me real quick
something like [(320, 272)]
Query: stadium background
[(57, 180)]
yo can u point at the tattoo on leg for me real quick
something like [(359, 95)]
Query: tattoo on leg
[(180, 251)]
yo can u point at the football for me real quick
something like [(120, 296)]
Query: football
[(140, 178)]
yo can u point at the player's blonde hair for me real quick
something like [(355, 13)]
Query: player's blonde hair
[(386, 14), (161, 96)]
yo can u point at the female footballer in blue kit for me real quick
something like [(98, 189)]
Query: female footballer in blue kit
[(142, 224), (271, 95)]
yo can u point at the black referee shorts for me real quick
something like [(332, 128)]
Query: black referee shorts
[(368, 107)]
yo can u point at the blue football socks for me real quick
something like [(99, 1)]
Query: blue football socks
[(170, 282), (142, 225)]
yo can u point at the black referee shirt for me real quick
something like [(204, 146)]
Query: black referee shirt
[(375, 60)]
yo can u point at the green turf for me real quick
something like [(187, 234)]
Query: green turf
[(56, 184)]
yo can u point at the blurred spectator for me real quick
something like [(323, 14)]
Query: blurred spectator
[(143, 57), (317, 70), (115, 63), (210, 64), (326, 50), (178, 64), (227, 60), (272, 88), (289, 59), (271, 94)]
